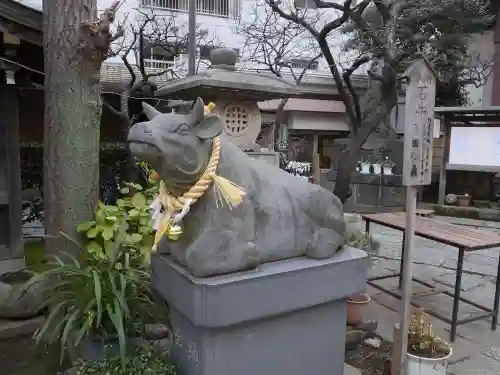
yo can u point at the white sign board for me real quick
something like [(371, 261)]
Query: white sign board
[(475, 146), (419, 125)]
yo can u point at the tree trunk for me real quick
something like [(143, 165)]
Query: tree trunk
[(71, 121), (346, 166), (376, 104)]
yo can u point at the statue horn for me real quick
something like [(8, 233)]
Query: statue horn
[(150, 111)]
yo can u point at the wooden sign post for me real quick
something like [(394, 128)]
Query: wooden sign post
[(417, 171)]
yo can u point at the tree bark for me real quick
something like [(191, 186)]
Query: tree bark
[(376, 104), (71, 121), (346, 166)]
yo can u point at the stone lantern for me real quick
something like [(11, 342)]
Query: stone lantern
[(236, 94)]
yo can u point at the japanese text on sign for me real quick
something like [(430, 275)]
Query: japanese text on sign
[(419, 121)]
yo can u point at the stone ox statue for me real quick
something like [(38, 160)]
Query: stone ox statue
[(280, 217)]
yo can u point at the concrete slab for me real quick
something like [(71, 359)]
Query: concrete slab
[(12, 328), (349, 370), (11, 265)]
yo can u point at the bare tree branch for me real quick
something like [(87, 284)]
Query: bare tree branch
[(114, 110), (274, 44), (347, 79)]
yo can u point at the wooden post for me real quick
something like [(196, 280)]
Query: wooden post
[(9, 127), (417, 171), (445, 155), (315, 160), (396, 351), (316, 169)]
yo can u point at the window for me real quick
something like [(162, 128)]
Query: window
[(326, 145), (168, 52), (303, 64), (223, 8), (205, 52), (216, 7)]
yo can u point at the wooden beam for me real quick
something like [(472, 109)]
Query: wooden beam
[(22, 14), (21, 32)]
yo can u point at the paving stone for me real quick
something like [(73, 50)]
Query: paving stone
[(476, 349), (469, 282), (494, 353), (349, 370), (477, 364)]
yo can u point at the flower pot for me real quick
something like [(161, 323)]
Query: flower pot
[(365, 169), (377, 168), (356, 307), (95, 348), (416, 365), (387, 171), (463, 200)]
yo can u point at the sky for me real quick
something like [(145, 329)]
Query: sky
[(37, 4)]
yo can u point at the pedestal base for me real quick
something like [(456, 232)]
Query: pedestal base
[(283, 318)]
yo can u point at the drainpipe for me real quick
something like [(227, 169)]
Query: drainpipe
[(192, 37), (495, 91)]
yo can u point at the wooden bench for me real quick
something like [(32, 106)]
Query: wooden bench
[(464, 239)]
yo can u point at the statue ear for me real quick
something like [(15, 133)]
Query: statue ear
[(197, 112), (150, 111), (209, 128)]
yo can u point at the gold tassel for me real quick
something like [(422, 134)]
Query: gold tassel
[(231, 193), (163, 228), (209, 107)]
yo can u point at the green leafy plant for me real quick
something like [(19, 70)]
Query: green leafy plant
[(133, 210), (422, 341), (32, 210), (105, 295), (362, 240), (140, 361)]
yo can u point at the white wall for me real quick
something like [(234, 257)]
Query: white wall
[(224, 30), (482, 45), (317, 121)]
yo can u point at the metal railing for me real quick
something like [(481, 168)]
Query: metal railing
[(117, 72), (221, 8), (158, 64)]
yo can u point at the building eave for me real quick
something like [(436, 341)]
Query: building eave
[(22, 21)]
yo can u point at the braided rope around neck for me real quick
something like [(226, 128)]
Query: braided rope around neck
[(173, 204), (226, 192)]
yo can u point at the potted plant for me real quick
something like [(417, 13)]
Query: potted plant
[(427, 354), (387, 166), (365, 167), (101, 299), (142, 360), (377, 167), (464, 200), (357, 303)]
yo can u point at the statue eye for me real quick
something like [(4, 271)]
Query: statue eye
[(183, 128)]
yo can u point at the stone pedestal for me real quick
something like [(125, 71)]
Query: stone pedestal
[(283, 318)]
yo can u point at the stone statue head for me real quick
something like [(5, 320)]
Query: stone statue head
[(177, 146)]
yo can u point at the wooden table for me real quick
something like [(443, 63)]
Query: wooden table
[(464, 239)]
